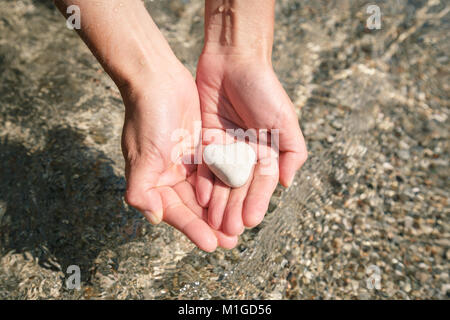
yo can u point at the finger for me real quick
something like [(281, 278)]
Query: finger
[(226, 241), (264, 182), (180, 217), (187, 194), (205, 183), (192, 179), (218, 203), (175, 174), (290, 162), (292, 149), (141, 193), (232, 221), (205, 178), (185, 191)]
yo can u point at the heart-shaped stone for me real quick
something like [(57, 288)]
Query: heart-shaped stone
[(231, 163)]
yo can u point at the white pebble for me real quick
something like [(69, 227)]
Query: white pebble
[(231, 163)]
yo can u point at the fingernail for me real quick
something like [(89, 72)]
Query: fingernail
[(152, 217)]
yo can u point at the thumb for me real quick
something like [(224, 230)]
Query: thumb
[(141, 191), (292, 147)]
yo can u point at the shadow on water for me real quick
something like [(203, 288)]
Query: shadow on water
[(44, 3), (62, 203)]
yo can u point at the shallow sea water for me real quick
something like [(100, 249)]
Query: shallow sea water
[(373, 196)]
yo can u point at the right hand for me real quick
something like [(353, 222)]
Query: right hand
[(159, 186)]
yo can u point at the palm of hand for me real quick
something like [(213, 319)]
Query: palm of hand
[(158, 119), (247, 96)]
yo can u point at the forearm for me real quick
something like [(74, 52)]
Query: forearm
[(243, 27), (123, 37)]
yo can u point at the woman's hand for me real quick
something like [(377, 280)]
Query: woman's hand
[(239, 89), (161, 113), (162, 106), (242, 91)]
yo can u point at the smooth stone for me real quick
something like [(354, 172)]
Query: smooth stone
[(231, 163)]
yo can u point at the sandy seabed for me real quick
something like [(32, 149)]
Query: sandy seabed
[(370, 204)]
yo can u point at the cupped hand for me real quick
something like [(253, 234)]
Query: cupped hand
[(158, 133), (242, 92)]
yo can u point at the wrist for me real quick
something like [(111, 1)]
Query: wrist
[(244, 46), (236, 28), (124, 39), (138, 59), (228, 62), (140, 90), (144, 66)]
